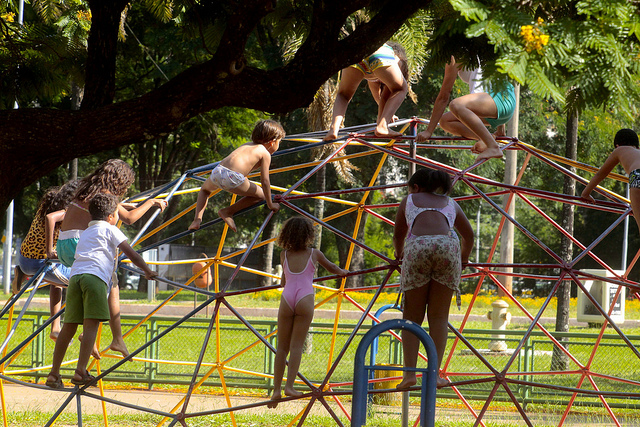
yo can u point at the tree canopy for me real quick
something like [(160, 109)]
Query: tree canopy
[(35, 139)]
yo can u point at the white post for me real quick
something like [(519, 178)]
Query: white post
[(8, 232), (8, 242)]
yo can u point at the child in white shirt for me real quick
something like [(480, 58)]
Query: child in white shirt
[(88, 289)]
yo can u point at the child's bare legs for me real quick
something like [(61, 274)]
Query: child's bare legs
[(89, 332), (117, 342), (55, 303), (62, 342), (301, 322), (349, 81), (415, 303), (438, 318), (465, 119), (292, 331), (203, 197), (251, 193), (394, 93)]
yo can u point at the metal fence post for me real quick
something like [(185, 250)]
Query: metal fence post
[(270, 357), (38, 348)]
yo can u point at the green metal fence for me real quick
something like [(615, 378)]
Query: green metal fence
[(246, 360)]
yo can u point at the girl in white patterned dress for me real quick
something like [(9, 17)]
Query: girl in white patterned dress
[(432, 260)]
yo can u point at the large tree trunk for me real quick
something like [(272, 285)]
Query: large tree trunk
[(559, 360), (319, 116)]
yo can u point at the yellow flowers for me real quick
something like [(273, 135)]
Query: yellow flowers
[(534, 37), (9, 16), (84, 15)]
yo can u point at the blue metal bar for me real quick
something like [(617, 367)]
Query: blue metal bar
[(429, 377), (374, 345), (24, 309), (23, 289)]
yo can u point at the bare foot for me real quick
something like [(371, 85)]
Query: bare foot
[(292, 392), (489, 153), (441, 382), (95, 352), (195, 225), (406, 383), (274, 400), (387, 133), (330, 136), (228, 219), (119, 346), (478, 147)]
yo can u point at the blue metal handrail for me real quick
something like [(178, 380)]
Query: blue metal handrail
[(429, 377)]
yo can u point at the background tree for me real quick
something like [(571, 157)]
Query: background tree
[(582, 54), (223, 78)]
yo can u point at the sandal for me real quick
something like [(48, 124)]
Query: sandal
[(56, 383), (87, 378)]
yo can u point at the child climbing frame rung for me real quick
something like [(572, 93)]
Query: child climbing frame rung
[(429, 375)]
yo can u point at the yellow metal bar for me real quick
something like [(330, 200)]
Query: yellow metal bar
[(102, 402), (325, 198), (168, 222), (4, 404), (226, 395), (181, 402), (249, 347), (577, 165), (334, 332)]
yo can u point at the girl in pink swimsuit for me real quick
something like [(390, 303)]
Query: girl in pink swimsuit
[(432, 260), (298, 261)]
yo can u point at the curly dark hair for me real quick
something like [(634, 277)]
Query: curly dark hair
[(64, 195), (102, 205), (47, 202), (266, 131), (114, 176), (297, 234), (431, 180)]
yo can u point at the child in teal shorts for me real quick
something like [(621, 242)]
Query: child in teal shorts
[(95, 262)]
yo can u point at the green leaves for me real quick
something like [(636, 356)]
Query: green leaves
[(591, 47)]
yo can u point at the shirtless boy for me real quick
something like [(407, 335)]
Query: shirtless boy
[(626, 153), (231, 174)]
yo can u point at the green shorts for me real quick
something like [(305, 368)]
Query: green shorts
[(86, 299), (505, 103), (66, 249)]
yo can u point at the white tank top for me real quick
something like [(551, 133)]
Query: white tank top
[(473, 78)]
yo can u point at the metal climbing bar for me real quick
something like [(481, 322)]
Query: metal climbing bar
[(360, 373)]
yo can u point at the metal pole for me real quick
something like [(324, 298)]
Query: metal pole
[(506, 239), (412, 148), (6, 265), (405, 409), (625, 238), (478, 233), (8, 232)]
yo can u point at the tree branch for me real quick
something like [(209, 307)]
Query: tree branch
[(29, 152)]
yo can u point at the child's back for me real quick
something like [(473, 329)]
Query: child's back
[(430, 222), (629, 157), (230, 174), (246, 158)]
